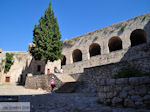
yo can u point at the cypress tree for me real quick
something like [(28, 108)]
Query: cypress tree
[(46, 38)]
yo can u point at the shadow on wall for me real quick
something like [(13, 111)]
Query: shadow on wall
[(33, 67), (140, 43), (139, 49)]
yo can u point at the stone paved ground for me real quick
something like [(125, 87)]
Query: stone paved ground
[(70, 102), (18, 90), (41, 101)]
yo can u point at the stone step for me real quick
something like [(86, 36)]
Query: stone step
[(68, 87), (8, 98)]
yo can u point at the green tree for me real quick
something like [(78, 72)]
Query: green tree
[(46, 40), (9, 62)]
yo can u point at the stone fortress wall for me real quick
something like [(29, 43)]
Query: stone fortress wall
[(107, 45)]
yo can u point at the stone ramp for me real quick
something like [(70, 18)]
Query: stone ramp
[(64, 77)]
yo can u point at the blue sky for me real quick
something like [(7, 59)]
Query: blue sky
[(75, 17)]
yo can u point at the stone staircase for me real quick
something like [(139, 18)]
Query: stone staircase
[(68, 83)]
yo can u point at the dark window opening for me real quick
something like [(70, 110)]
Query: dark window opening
[(115, 43), (7, 79), (48, 71), (94, 50), (77, 55), (137, 37), (63, 62), (38, 68)]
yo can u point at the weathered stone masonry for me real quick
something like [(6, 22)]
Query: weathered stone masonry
[(128, 92), (95, 74), (94, 48)]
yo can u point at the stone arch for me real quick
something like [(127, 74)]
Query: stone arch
[(94, 49), (115, 43), (137, 37), (77, 55), (63, 61)]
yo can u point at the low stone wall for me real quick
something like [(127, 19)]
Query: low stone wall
[(35, 82), (95, 74), (128, 92), (41, 81)]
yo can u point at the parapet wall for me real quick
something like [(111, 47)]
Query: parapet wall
[(127, 92), (102, 37)]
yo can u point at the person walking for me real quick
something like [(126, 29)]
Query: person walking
[(52, 82)]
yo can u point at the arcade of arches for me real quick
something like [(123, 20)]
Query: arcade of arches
[(137, 37)]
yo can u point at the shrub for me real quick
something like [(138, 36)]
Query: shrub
[(144, 18), (123, 27), (9, 62), (69, 43)]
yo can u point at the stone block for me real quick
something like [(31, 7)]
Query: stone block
[(127, 88), (116, 100), (138, 103), (142, 80), (136, 98), (111, 81), (102, 95), (122, 81), (101, 89), (102, 82), (115, 93), (146, 80), (129, 103), (146, 97), (123, 94), (118, 88), (133, 81), (131, 92), (107, 101), (110, 95), (141, 90), (107, 88)]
